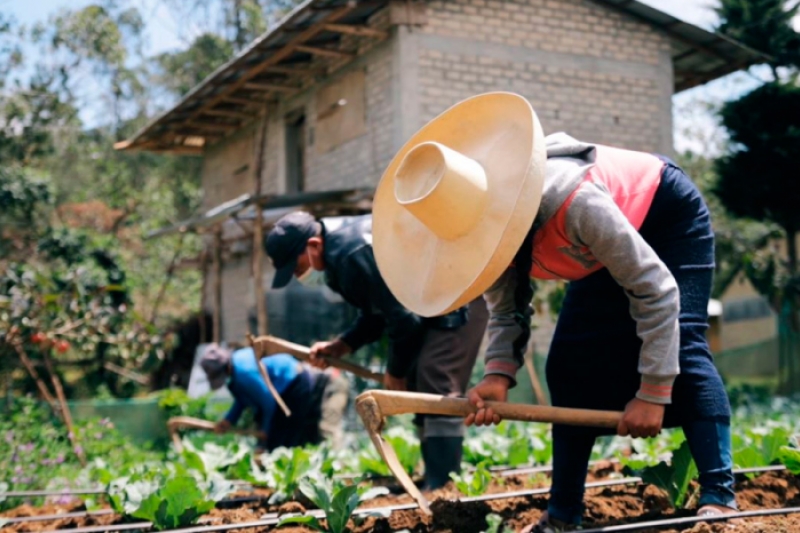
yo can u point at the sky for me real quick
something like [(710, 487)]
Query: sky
[(694, 125)]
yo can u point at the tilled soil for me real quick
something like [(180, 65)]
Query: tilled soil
[(604, 507)]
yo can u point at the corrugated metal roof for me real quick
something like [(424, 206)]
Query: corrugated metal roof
[(274, 206), (300, 51)]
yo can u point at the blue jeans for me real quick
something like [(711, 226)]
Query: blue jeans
[(709, 442)]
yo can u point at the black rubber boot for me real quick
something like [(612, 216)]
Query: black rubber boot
[(442, 455)]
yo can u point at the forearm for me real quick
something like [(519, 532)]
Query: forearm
[(366, 329), (235, 412), (510, 311)]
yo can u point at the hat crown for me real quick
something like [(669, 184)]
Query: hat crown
[(442, 188)]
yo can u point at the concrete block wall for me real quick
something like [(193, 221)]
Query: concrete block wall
[(596, 73), (355, 163), (228, 167)]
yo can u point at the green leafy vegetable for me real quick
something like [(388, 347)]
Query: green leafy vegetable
[(494, 523), (473, 483), (167, 500), (405, 444), (790, 457), (286, 467), (674, 477), (336, 499)]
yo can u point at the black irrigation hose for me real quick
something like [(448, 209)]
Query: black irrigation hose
[(655, 524)]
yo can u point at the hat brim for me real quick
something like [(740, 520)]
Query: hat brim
[(283, 275), (432, 276)]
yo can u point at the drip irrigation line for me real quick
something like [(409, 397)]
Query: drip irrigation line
[(545, 490), (36, 493), (222, 504), (272, 519), (45, 517), (136, 526), (759, 469), (692, 520), (319, 514)]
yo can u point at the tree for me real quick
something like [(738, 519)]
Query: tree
[(764, 25), (182, 71), (760, 177)]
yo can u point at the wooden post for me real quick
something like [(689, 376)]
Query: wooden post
[(62, 400), (203, 295), (258, 233), (258, 271), (170, 271), (217, 285), (541, 399), (29, 366)]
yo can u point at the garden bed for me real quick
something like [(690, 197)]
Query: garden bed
[(624, 504)]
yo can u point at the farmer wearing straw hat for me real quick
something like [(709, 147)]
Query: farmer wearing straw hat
[(316, 399), (480, 202), (427, 355)]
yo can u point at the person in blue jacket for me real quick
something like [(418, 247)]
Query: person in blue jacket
[(316, 399)]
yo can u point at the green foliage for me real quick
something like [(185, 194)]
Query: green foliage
[(176, 402), (40, 454), (674, 477), (183, 70), (494, 523), (168, 499), (511, 445), (758, 446), (286, 468), (790, 458), (405, 444), (764, 25), (336, 499), (474, 483), (764, 126)]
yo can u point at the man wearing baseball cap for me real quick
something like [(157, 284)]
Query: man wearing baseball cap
[(433, 355), (316, 399)]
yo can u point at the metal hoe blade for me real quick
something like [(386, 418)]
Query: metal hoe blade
[(370, 413)]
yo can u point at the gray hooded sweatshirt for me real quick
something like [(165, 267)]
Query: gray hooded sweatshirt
[(592, 220)]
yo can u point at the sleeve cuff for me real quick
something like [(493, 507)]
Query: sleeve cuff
[(503, 367), (656, 389), (352, 340)]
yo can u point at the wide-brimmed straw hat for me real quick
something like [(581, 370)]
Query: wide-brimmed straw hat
[(457, 200)]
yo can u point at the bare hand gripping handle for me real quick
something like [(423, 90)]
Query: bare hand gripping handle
[(374, 406), (272, 345)]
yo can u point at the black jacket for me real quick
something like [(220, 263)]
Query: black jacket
[(351, 271)]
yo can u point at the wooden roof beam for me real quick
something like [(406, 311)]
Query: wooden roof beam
[(361, 31), (276, 58), (295, 71), (325, 52), (241, 101), (211, 127), (228, 113), (269, 87)]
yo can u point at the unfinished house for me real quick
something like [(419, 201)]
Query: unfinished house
[(312, 112)]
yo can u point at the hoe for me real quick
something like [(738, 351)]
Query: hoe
[(375, 405)]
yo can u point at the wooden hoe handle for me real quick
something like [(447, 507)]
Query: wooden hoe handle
[(177, 422), (273, 345), (398, 403), (373, 406)]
